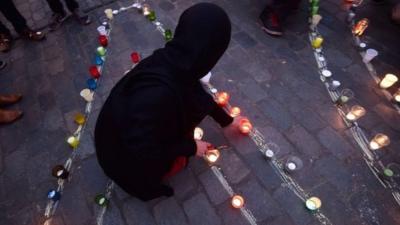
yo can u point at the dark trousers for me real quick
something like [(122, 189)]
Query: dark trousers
[(282, 8), (9, 11), (57, 7)]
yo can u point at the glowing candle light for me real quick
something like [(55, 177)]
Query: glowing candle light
[(103, 40), (101, 51), (98, 60), (146, 9), (87, 94), (152, 16), (245, 126), (344, 97), (237, 201), (396, 95), (60, 172), (53, 195), (73, 141), (135, 57), (334, 85), (198, 133), (317, 42), (234, 111), (388, 81), (293, 163), (94, 72), (379, 141), (80, 119), (102, 30), (101, 200), (168, 35), (91, 83), (269, 153), (222, 98), (388, 172), (355, 113), (360, 27), (212, 155), (109, 14), (313, 203)]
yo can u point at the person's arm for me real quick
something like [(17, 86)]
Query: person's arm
[(219, 115)]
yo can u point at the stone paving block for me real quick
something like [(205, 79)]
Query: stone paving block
[(113, 215), (14, 163), (252, 90), (232, 166), (329, 113), (91, 177), (258, 200), (214, 189), (335, 143), (244, 40), (184, 184), (389, 115), (74, 207), (274, 137), (277, 113), (304, 141), (137, 212), (199, 211), (231, 215), (168, 212), (284, 219), (293, 206)]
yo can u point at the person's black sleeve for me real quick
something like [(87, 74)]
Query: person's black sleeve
[(219, 115)]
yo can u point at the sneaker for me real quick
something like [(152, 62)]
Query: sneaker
[(271, 24), (5, 42), (2, 65), (56, 20), (82, 18), (29, 34)]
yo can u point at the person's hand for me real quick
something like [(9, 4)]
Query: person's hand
[(202, 147)]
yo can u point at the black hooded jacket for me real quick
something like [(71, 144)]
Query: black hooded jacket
[(149, 117)]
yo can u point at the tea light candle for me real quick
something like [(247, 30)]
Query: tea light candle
[(388, 172), (360, 27), (388, 81), (344, 97), (94, 72), (237, 201), (80, 119), (98, 60), (146, 9), (269, 153), (234, 111), (53, 195), (73, 141), (313, 203), (101, 51), (212, 155), (317, 42), (334, 85), (291, 166), (245, 126), (198, 133), (91, 83), (87, 94), (103, 40), (101, 200), (102, 30), (135, 57), (222, 98), (396, 95), (109, 14), (168, 35), (355, 113), (152, 16), (60, 172), (379, 141)]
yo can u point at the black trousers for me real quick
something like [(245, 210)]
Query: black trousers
[(57, 7), (9, 11), (282, 8)]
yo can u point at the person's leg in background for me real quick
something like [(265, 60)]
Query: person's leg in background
[(5, 38), (274, 13), (9, 11), (59, 14)]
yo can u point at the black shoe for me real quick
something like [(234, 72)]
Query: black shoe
[(2, 65), (378, 2), (271, 23), (83, 19), (56, 20)]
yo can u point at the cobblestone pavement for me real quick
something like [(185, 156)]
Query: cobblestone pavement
[(273, 80)]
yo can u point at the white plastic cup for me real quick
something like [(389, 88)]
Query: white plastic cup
[(369, 55)]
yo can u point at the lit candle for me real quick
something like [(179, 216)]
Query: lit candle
[(168, 35), (212, 155), (98, 60), (135, 57), (344, 97), (269, 153), (94, 72), (87, 94), (101, 51), (109, 14), (388, 172), (379, 141), (80, 119), (198, 133), (355, 113), (152, 16), (102, 30), (245, 126), (293, 163), (313, 203), (101, 200), (53, 195), (60, 172), (396, 95), (146, 9), (235, 111), (91, 83), (317, 42), (222, 98), (237, 201), (103, 40), (360, 27), (333, 86), (73, 141), (326, 73), (388, 81)]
